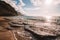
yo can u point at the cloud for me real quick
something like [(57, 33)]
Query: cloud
[(32, 8), (21, 3), (36, 2), (50, 9), (40, 9)]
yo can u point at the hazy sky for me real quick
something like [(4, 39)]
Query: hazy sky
[(36, 7)]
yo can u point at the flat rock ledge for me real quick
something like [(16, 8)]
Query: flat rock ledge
[(16, 28)]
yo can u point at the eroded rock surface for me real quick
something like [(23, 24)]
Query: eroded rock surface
[(23, 30)]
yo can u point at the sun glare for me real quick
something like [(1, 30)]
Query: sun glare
[(48, 2), (48, 18)]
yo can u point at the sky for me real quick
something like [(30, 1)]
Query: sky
[(36, 7)]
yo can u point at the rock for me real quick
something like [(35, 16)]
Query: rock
[(40, 37), (16, 28), (24, 30), (3, 24), (44, 28), (7, 35), (7, 10)]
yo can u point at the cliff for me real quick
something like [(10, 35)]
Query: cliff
[(7, 10)]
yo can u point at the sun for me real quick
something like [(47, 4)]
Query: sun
[(48, 2)]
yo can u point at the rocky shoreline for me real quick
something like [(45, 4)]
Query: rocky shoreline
[(25, 31), (20, 27)]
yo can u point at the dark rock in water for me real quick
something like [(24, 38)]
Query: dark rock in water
[(6, 9)]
